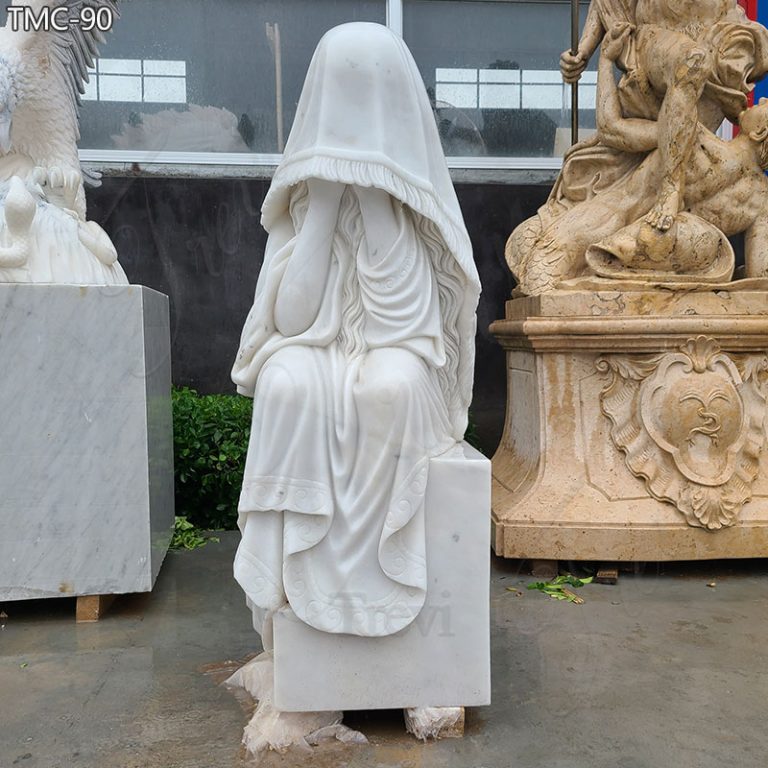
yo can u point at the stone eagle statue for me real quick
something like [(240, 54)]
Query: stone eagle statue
[(45, 236)]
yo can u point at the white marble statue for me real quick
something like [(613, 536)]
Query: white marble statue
[(45, 236), (359, 349)]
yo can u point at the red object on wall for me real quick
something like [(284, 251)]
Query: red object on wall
[(750, 6)]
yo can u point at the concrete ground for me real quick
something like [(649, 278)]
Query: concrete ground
[(660, 670)]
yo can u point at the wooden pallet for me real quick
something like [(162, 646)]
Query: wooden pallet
[(607, 573), (91, 608)]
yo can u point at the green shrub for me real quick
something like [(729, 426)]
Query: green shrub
[(471, 435), (210, 437)]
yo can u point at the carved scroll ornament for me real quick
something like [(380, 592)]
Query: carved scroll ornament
[(691, 423)]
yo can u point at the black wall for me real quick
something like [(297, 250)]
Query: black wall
[(200, 242)]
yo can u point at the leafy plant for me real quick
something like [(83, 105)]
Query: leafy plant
[(471, 435), (557, 589), (187, 536), (210, 444)]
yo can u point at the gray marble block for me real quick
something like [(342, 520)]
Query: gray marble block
[(86, 440), (443, 658)]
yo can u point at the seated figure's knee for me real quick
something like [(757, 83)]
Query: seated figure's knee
[(388, 376), (285, 380)]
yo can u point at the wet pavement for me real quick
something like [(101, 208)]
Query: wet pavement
[(659, 670)]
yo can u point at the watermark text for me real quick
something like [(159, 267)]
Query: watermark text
[(89, 18)]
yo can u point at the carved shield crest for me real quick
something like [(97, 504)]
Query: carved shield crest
[(691, 425)]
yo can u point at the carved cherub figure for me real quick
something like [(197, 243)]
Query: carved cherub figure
[(732, 199), (735, 197)]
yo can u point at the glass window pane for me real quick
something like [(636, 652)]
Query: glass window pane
[(499, 96), (91, 92), (543, 97), (539, 76), (120, 66), (230, 56), (456, 75), (499, 75), (588, 94), (171, 90), (493, 42), (457, 95), (156, 67), (119, 88), (223, 62)]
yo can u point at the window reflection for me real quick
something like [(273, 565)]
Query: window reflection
[(510, 89), (225, 76), (202, 76), (492, 69), (142, 80)]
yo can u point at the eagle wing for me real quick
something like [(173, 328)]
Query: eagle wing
[(68, 55), (76, 50)]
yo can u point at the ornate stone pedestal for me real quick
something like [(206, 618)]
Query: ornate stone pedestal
[(635, 426)]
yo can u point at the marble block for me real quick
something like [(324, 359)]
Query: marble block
[(443, 658), (635, 427), (86, 440)]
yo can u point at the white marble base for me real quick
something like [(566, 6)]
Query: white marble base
[(86, 440), (443, 658)]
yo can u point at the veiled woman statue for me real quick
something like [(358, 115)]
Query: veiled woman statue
[(359, 349)]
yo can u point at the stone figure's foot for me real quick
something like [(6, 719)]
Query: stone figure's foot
[(62, 185), (435, 722), (56, 177), (662, 215)]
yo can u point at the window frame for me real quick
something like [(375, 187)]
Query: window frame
[(109, 160)]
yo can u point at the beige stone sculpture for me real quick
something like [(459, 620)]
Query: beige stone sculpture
[(685, 67), (637, 366)]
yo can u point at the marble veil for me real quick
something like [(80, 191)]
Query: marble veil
[(332, 510)]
